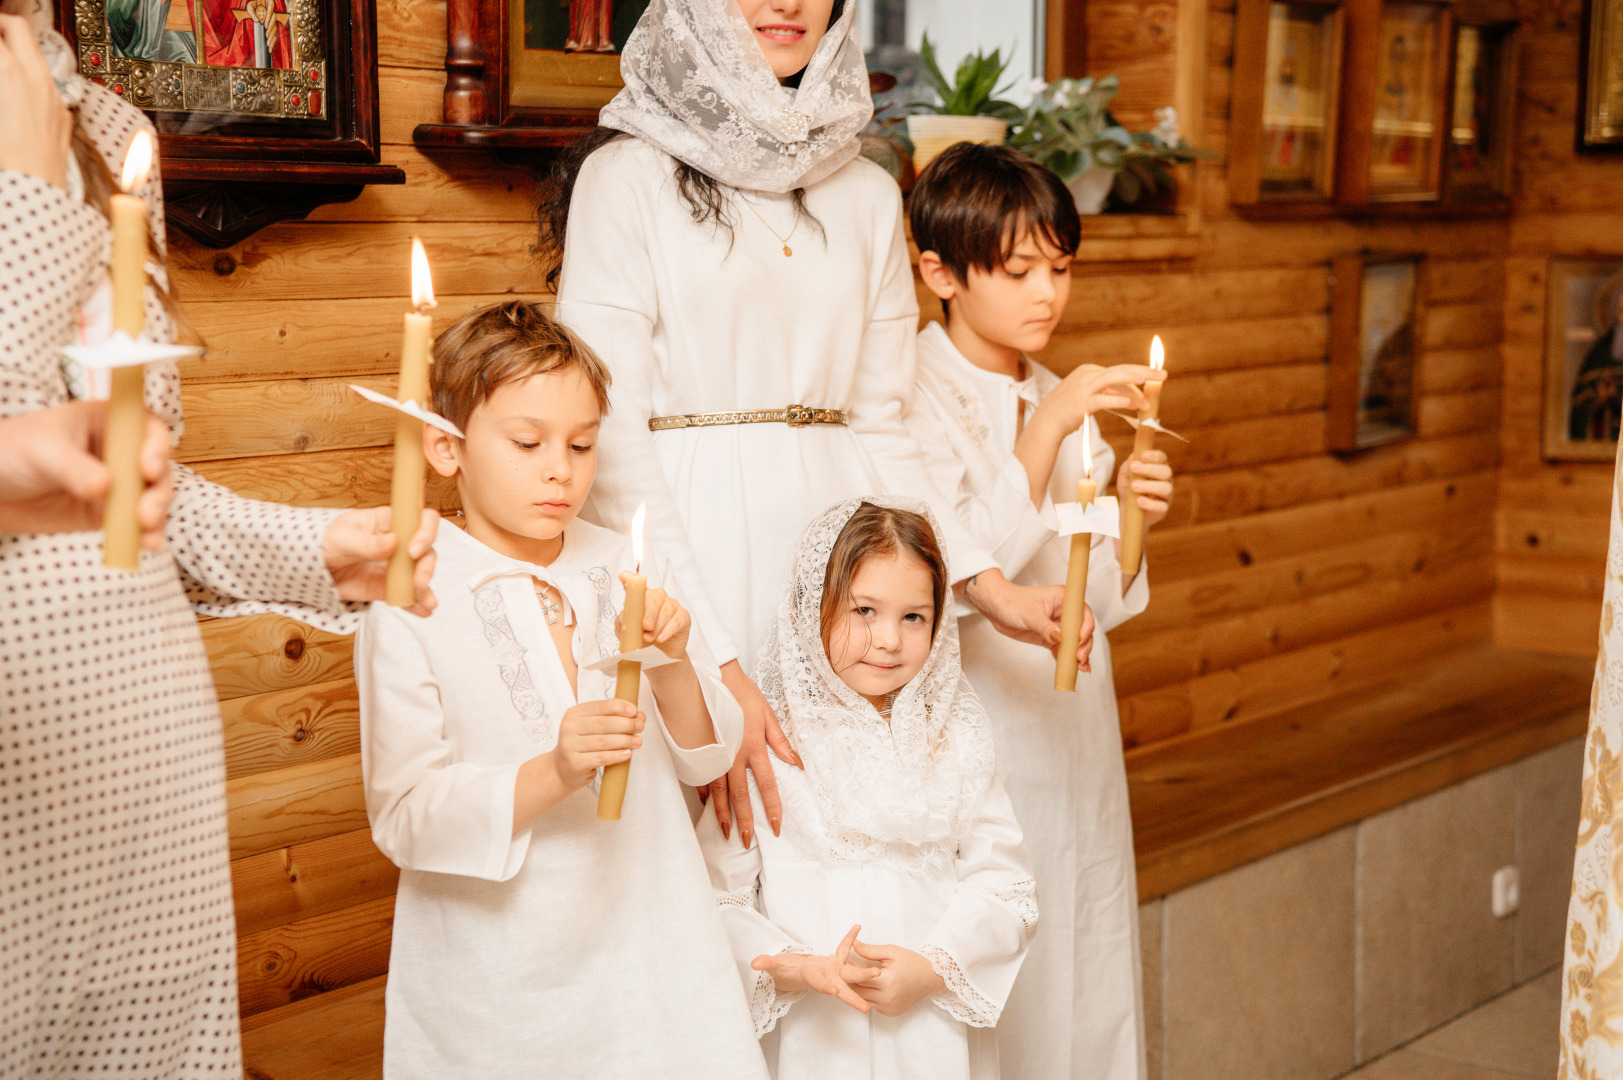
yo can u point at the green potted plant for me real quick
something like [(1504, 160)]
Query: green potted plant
[(1068, 128), (969, 109)]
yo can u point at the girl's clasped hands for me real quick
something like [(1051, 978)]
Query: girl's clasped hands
[(886, 979)]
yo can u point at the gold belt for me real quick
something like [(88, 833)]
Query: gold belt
[(794, 416)]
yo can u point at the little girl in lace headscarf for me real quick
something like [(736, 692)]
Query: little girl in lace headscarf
[(881, 933)]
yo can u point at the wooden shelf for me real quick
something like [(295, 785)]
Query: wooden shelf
[(522, 144), (1207, 802)]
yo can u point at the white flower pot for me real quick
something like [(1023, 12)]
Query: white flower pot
[(1092, 188), (932, 134)]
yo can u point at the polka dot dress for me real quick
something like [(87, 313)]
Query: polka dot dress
[(117, 938)]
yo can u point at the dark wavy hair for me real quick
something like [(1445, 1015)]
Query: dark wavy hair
[(706, 197), (974, 203)]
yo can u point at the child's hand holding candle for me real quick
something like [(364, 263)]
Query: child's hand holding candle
[(1133, 522)]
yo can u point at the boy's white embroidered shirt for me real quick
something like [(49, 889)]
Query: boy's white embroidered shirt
[(593, 947), (1075, 1009)]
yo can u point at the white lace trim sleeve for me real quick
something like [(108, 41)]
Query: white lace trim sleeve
[(961, 1000), (767, 1004)]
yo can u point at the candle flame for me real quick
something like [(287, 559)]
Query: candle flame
[(636, 534), (137, 161), (1087, 450), (422, 282), (1158, 353)]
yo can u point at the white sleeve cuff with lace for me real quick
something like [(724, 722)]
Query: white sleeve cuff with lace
[(961, 1000), (767, 1004)]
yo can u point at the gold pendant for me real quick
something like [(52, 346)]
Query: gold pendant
[(786, 251)]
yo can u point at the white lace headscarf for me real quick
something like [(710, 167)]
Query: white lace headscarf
[(905, 792), (699, 88)]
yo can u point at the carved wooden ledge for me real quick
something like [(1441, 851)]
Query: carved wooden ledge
[(220, 203)]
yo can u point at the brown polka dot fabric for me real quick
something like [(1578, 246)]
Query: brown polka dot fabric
[(117, 939)]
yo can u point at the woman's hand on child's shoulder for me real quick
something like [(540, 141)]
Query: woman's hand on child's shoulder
[(903, 978), (665, 623), (832, 975), (593, 735)]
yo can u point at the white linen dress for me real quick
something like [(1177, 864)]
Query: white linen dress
[(694, 319), (1077, 1010), (117, 935), (574, 947), (977, 909)]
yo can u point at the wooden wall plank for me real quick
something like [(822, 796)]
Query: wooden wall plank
[(315, 338), (336, 260), (284, 728), (358, 477), (283, 965), (269, 652), (294, 883), (287, 807), (290, 416)]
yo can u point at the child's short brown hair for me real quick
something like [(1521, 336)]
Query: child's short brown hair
[(974, 203), (502, 343)]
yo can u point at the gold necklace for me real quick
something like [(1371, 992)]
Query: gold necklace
[(784, 240)]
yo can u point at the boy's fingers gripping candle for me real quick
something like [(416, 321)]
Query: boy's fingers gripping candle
[(611, 793), (1132, 515), (406, 496), (1076, 578), (126, 408)]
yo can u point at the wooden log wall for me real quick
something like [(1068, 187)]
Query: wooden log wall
[(1285, 574), (1553, 518)]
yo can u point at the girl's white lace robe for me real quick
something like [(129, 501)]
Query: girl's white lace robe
[(971, 915)]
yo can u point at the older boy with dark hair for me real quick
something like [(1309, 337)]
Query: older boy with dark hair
[(531, 938), (996, 234)]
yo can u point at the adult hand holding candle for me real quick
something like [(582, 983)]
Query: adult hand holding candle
[(1132, 515), (126, 404), (406, 495), (1076, 578), (628, 679)]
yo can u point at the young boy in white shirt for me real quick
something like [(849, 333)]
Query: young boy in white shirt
[(996, 233), (530, 937)]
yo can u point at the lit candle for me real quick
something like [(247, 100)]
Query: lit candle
[(406, 497), (628, 679), (1076, 577), (126, 405), (1132, 515)]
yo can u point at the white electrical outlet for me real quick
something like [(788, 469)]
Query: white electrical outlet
[(1507, 891)]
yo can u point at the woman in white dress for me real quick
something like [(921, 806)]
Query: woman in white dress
[(897, 829), (745, 276)]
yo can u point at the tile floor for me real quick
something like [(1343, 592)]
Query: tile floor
[(1512, 1037)]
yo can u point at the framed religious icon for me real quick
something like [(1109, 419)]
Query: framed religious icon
[(1600, 111), (1411, 71), (1583, 359), (1482, 108), (1375, 313), (526, 76), (277, 98), (1286, 100)]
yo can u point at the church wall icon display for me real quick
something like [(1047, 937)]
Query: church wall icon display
[(253, 58), (1583, 362)]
